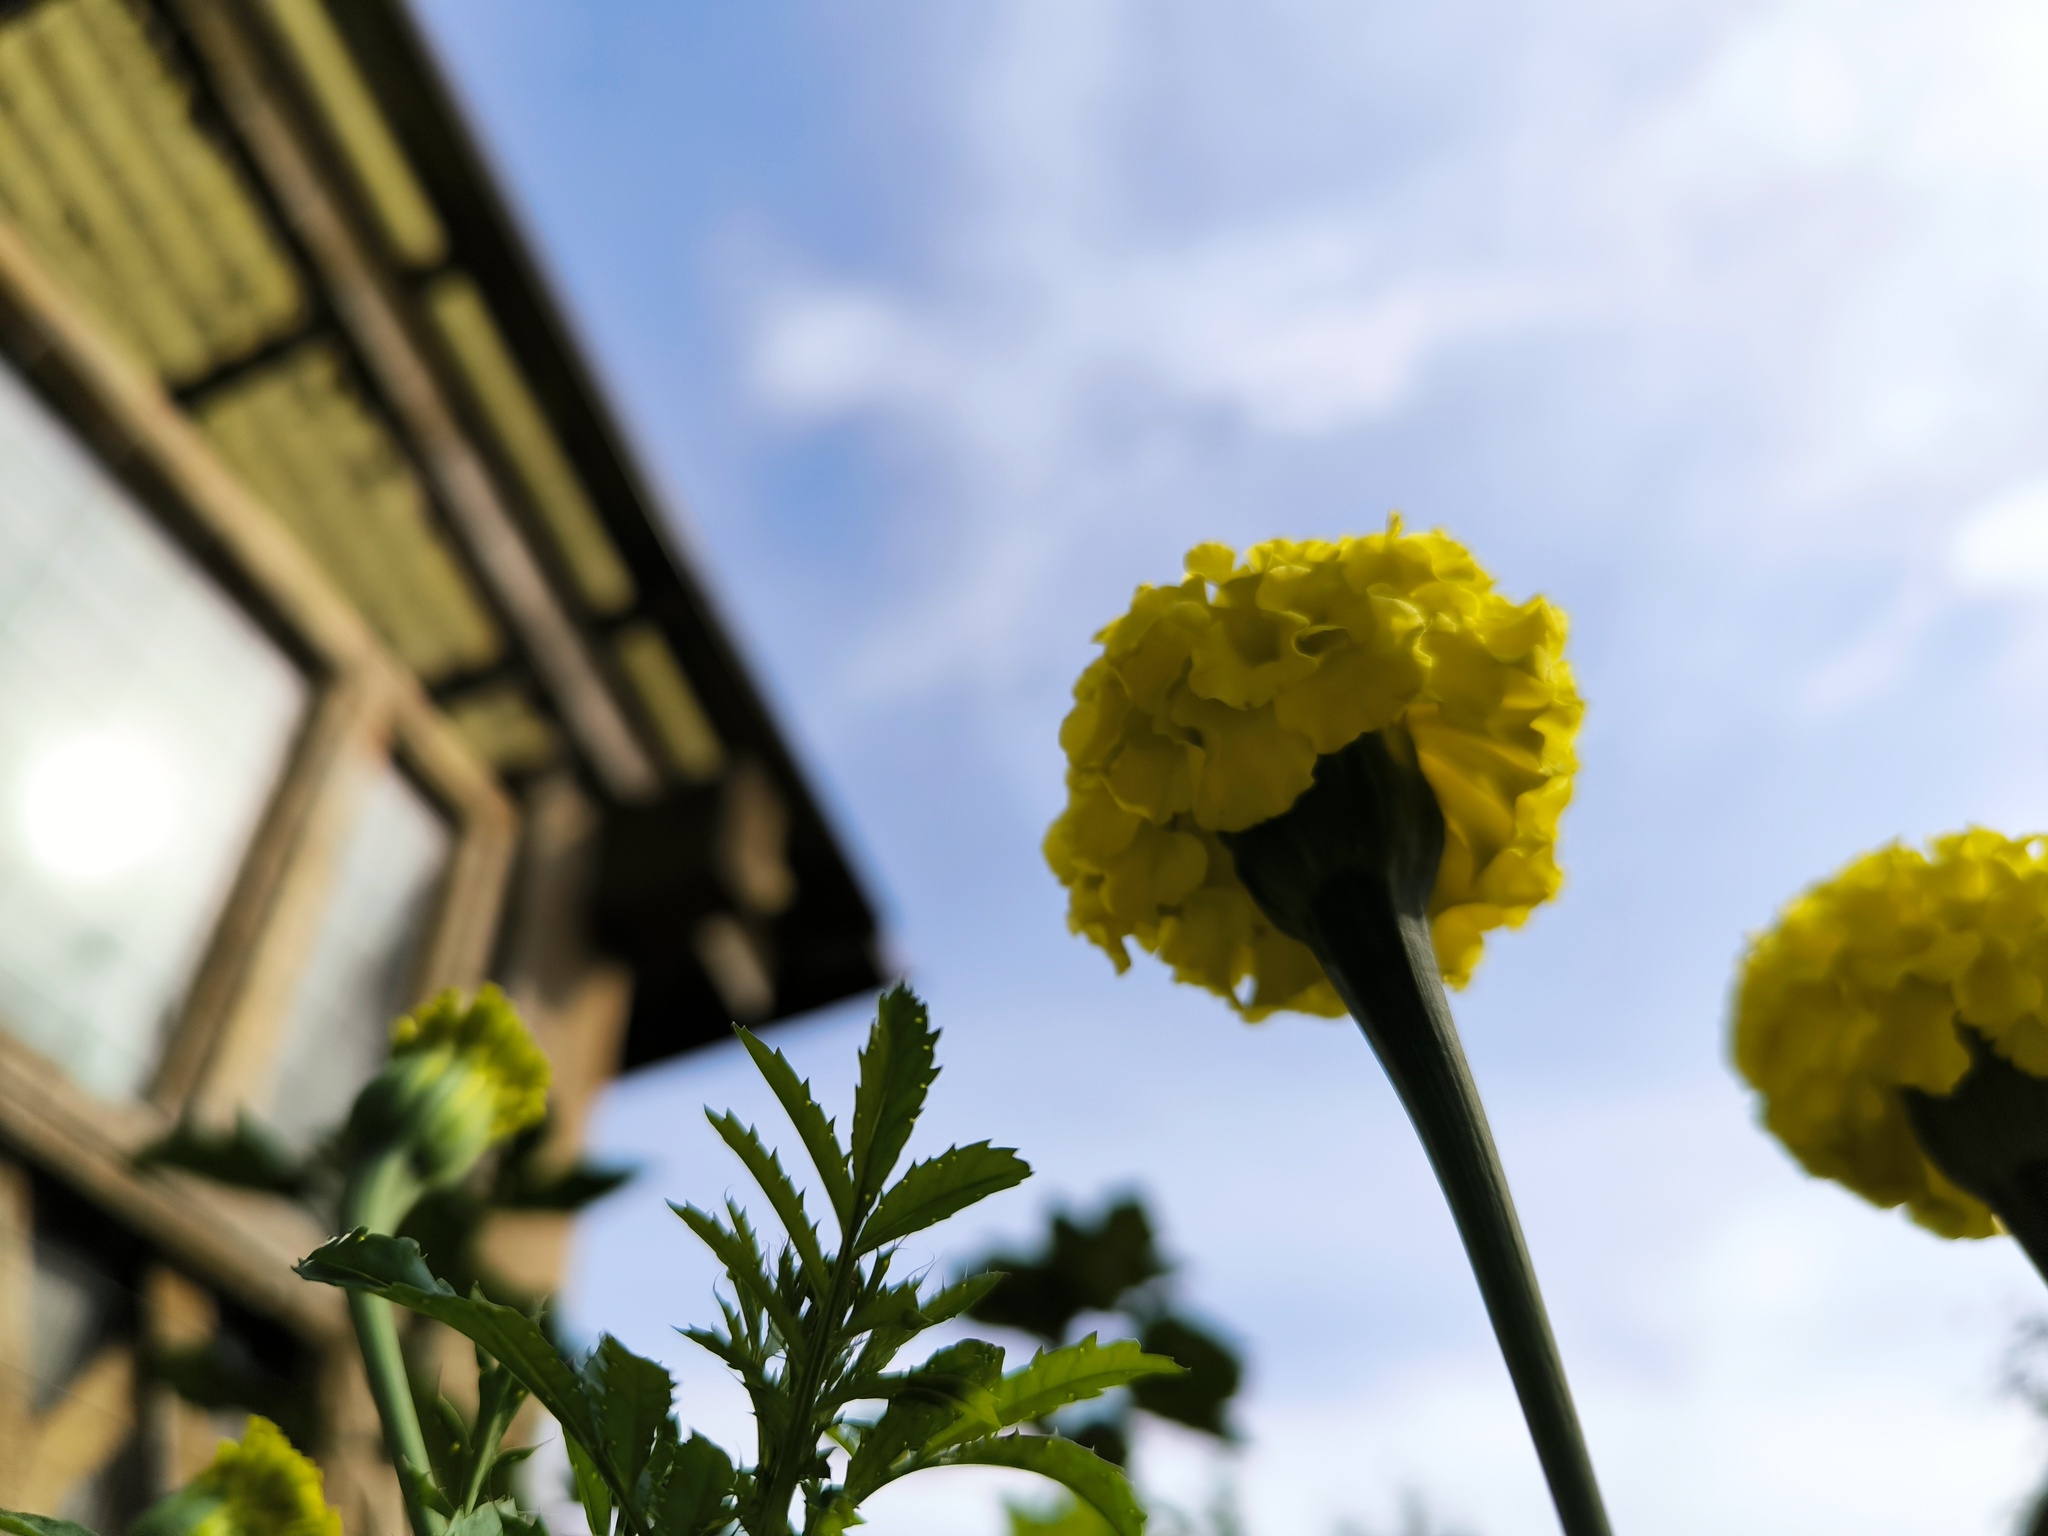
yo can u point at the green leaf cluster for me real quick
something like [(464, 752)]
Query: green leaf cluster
[(813, 1328), (1112, 1265)]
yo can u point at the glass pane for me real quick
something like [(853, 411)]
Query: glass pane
[(143, 721), (361, 972)]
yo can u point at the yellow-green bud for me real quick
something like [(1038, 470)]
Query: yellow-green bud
[(464, 1075)]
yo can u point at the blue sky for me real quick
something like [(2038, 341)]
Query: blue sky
[(1723, 325)]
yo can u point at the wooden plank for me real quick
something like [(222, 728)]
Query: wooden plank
[(136, 425), (243, 1244), (242, 1054), (371, 309), (176, 1314), (262, 926), (575, 1001), (17, 1309), (80, 1433), (459, 950)]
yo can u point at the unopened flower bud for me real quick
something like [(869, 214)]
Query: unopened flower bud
[(463, 1075)]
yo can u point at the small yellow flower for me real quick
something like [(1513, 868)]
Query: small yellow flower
[(1212, 700), (1861, 990), (267, 1488), (258, 1486), (487, 1036)]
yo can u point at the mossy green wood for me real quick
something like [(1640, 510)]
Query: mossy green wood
[(1349, 871)]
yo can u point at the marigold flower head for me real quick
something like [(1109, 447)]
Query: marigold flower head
[(258, 1486), (463, 1075), (1213, 699), (1863, 989)]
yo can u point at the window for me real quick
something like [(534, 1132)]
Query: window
[(365, 959), (144, 719)]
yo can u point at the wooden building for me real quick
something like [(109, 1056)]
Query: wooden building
[(343, 656)]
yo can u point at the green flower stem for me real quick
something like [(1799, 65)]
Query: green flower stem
[(1385, 970), (1990, 1135), (799, 1447), (381, 1192), (1349, 871)]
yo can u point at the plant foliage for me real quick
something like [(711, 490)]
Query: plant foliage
[(813, 1328), (1112, 1266)]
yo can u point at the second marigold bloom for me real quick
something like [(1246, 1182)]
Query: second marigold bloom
[(1213, 699), (1870, 988), (257, 1486)]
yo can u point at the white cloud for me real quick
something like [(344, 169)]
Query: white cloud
[(824, 353), (2002, 546), (1287, 329), (1820, 234)]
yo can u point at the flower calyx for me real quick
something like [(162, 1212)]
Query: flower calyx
[(1989, 1135), (1370, 815)]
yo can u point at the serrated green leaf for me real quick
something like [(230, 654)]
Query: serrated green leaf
[(1087, 1267), (570, 1190), (942, 1401), (743, 1264), (16, 1523), (939, 1187), (894, 1306), (959, 1297), (631, 1397), (512, 1458), (833, 1518), (766, 1168), (693, 1497), (592, 1491), (1056, 1377), (896, 1071), (500, 1395), (481, 1521), (1074, 1467), (392, 1267), (1199, 1397), (248, 1157), (816, 1132)]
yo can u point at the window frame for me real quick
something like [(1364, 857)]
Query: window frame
[(365, 709)]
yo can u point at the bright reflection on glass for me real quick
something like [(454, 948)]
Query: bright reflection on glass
[(98, 806), (144, 719), (363, 970)]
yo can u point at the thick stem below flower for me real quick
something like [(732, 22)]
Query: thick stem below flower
[(1989, 1134), (1348, 871), (381, 1193), (1385, 970)]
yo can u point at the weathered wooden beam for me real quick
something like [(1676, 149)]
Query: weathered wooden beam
[(373, 312)]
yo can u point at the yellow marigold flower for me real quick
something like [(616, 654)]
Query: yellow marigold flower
[(488, 1037), (258, 1486), (1212, 700), (1864, 989)]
